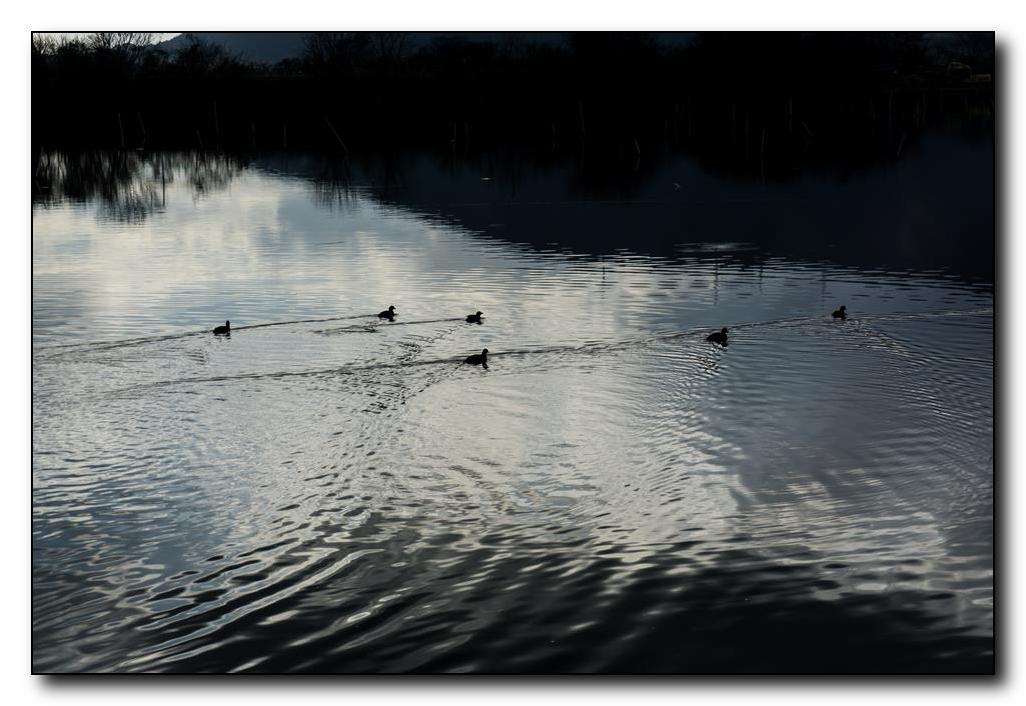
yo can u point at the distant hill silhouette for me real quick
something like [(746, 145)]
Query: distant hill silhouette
[(272, 47), (254, 47)]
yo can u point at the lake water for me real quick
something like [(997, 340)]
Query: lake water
[(326, 491)]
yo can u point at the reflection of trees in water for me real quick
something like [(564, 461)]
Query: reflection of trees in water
[(128, 186), (329, 179), (332, 186), (119, 181), (207, 172)]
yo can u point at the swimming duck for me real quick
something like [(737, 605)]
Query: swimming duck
[(474, 318), (478, 359), (227, 328), (840, 313), (388, 313), (718, 337)]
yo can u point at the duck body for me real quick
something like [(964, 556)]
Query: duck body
[(474, 318), (388, 313), (478, 358), (719, 337), (223, 330), (840, 313)]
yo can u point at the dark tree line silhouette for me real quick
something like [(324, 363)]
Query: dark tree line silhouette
[(743, 101)]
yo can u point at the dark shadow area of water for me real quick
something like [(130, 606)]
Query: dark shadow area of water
[(740, 614)]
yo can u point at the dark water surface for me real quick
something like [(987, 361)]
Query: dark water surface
[(325, 491)]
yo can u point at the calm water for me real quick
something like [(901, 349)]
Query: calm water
[(324, 491)]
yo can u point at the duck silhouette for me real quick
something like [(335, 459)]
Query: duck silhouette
[(478, 358), (474, 318), (226, 329), (718, 337), (840, 313), (388, 313)]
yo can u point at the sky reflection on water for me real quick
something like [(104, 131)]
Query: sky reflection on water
[(343, 495)]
